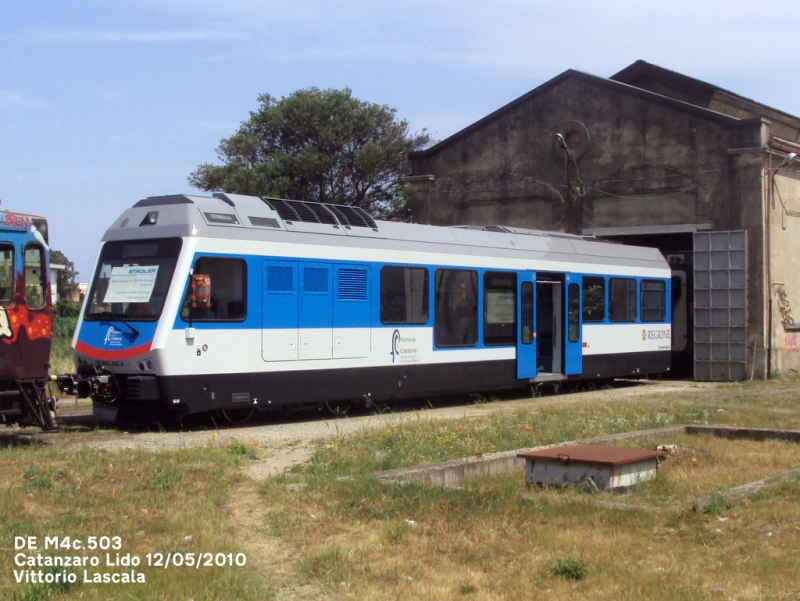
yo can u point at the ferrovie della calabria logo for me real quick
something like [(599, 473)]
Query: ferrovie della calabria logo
[(404, 350), (113, 337)]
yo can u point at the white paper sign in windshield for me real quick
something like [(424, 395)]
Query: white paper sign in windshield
[(131, 284)]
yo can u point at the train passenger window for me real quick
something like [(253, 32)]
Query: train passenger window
[(594, 298), (226, 281), (499, 308), (456, 308), (653, 297), (6, 273), (527, 312), (573, 313), (35, 277), (404, 295), (622, 299)]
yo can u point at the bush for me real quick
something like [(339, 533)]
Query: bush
[(64, 308), (65, 319), (64, 327)]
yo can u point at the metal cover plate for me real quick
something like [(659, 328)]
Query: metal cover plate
[(592, 454)]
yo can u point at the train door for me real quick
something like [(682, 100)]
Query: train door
[(573, 343), (549, 330), (10, 354), (526, 336)]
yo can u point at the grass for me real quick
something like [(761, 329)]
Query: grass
[(155, 502), (359, 539), (61, 356), (489, 542), (705, 464)]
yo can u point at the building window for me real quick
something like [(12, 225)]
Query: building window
[(594, 299), (6, 274), (404, 295), (456, 308), (622, 299), (217, 291), (35, 277), (499, 308), (653, 300)]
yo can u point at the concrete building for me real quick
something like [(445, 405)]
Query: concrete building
[(651, 157)]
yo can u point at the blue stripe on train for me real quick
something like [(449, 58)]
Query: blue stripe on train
[(285, 293)]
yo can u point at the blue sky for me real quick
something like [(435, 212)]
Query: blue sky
[(103, 102)]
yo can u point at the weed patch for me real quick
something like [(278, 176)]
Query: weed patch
[(573, 568)]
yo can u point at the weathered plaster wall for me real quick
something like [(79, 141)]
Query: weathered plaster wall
[(785, 241), (670, 164)]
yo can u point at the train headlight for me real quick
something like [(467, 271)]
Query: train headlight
[(145, 366)]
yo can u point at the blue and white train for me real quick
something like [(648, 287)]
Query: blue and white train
[(235, 302)]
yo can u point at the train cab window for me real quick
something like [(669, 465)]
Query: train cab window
[(217, 291), (653, 300), (35, 277), (6, 273), (622, 299), (573, 313), (594, 298), (499, 308), (456, 308), (404, 295), (132, 279)]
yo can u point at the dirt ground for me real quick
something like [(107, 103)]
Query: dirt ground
[(287, 441)]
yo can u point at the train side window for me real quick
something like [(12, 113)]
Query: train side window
[(6, 273), (573, 313), (499, 308), (622, 299), (35, 278), (404, 295), (653, 300), (527, 312), (594, 298), (456, 308), (223, 291)]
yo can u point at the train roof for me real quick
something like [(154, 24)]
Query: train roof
[(233, 216), (23, 221)]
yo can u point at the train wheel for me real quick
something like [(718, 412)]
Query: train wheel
[(238, 416)]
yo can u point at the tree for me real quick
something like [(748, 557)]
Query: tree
[(318, 145), (67, 278)]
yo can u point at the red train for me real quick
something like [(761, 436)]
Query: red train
[(26, 321)]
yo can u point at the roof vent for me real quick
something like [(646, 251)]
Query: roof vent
[(317, 212)]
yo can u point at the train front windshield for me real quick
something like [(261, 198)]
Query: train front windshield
[(132, 279)]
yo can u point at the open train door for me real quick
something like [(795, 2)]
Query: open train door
[(526, 334)]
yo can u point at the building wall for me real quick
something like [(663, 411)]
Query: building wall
[(649, 162), (784, 221)]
